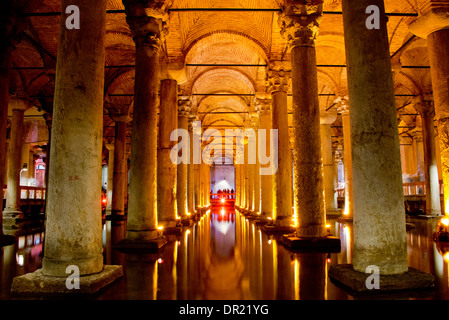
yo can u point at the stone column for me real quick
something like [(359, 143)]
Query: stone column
[(237, 184), (166, 169), (142, 207), (299, 25), (330, 197), (12, 215), (379, 223), (191, 172), (426, 110), (256, 173), (181, 185), (263, 107), (343, 109), (278, 83), (433, 25), (110, 183), (196, 186), (246, 166), (120, 172), (73, 234)]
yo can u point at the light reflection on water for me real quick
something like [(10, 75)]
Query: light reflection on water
[(226, 256)]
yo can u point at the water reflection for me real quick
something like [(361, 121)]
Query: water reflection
[(226, 256)]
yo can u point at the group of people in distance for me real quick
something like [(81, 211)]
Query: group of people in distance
[(225, 191)]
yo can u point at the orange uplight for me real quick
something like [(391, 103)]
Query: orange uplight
[(222, 200), (445, 221), (104, 200)]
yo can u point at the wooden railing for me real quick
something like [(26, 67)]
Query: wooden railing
[(29, 193)]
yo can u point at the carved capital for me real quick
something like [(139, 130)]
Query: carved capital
[(184, 107), (147, 21), (342, 105), (278, 77), (299, 22), (424, 105), (263, 106)]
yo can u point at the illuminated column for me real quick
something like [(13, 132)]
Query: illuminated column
[(12, 214), (330, 199), (379, 223), (120, 173), (73, 231), (278, 83), (343, 108), (263, 107), (426, 110), (166, 169), (109, 189), (147, 34), (191, 171), (237, 184), (433, 25), (181, 185), (246, 167), (299, 25), (255, 172)]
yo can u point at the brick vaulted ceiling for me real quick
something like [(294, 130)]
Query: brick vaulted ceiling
[(221, 37)]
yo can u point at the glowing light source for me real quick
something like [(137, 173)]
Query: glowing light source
[(328, 226), (446, 257), (160, 260), (445, 221), (223, 201), (160, 228)]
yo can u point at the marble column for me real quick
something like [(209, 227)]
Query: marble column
[(330, 196), (379, 223), (426, 110), (109, 189), (263, 107), (166, 169), (184, 107), (278, 83), (73, 234), (433, 25), (343, 109), (256, 173), (237, 184), (120, 171), (12, 214), (299, 25), (147, 33), (191, 172)]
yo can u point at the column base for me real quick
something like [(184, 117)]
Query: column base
[(6, 240), (427, 216), (141, 246), (270, 229), (38, 284), (355, 281), (13, 220), (311, 244), (333, 214), (345, 219)]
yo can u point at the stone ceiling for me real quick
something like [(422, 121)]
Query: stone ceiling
[(222, 37)]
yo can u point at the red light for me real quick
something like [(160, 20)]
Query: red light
[(104, 200)]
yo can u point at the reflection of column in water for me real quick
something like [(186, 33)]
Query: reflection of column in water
[(312, 276), (284, 275), (141, 276), (268, 272), (167, 272), (8, 268), (181, 269), (225, 269)]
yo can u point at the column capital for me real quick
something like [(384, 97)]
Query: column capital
[(147, 20), (263, 105), (424, 105), (184, 107), (108, 145), (342, 104), (20, 101), (278, 76), (118, 111), (434, 16), (299, 22), (417, 135)]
